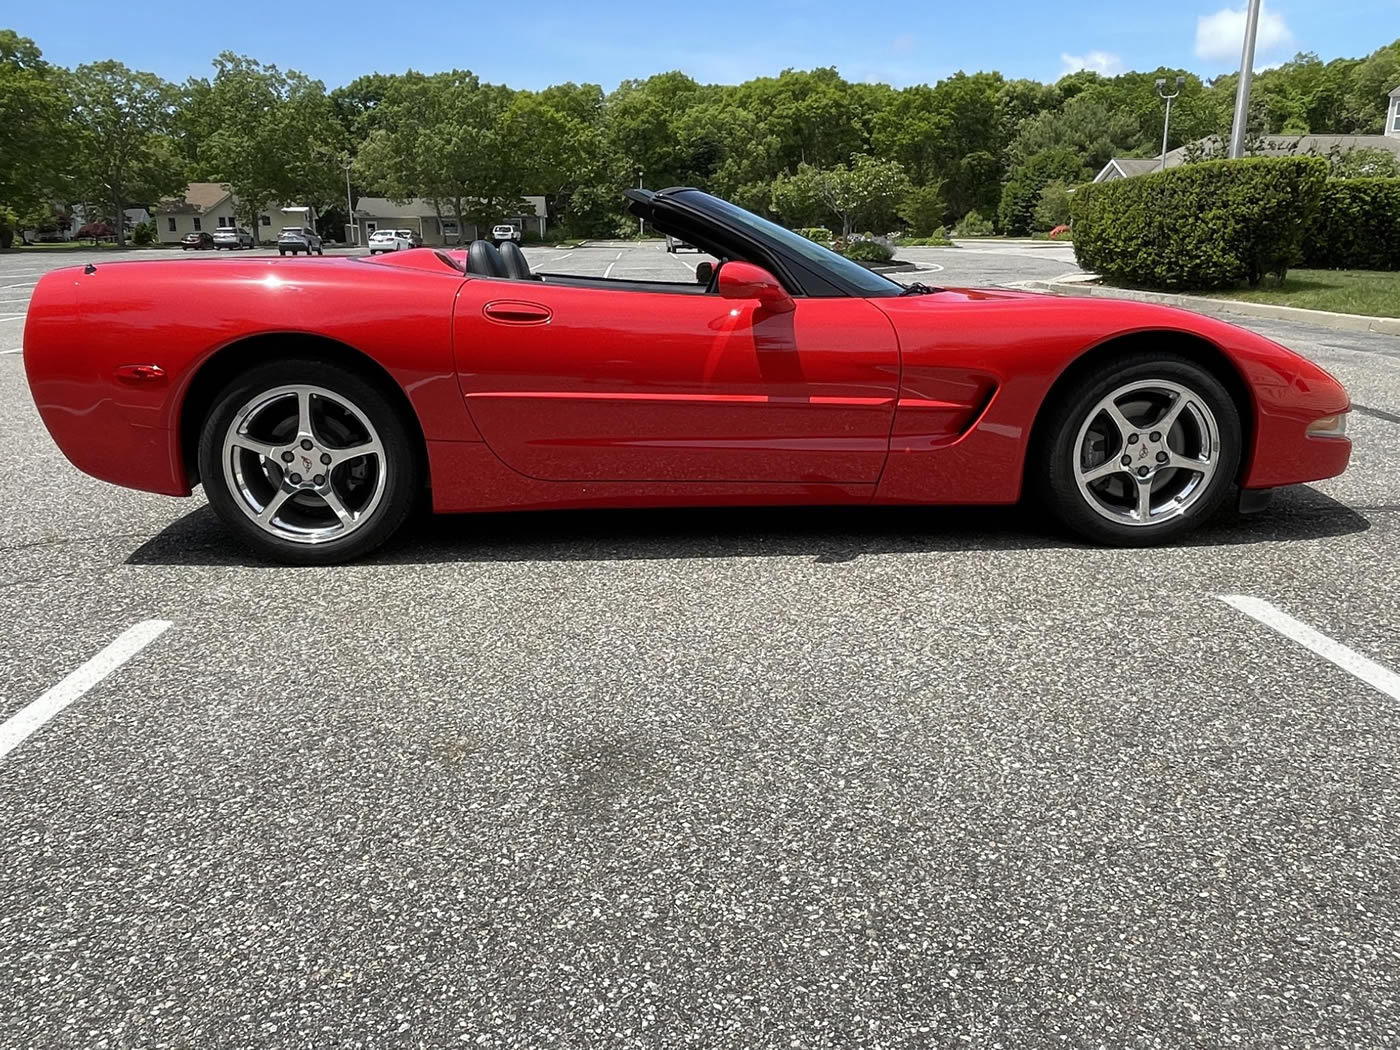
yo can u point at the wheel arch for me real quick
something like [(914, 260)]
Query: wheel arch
[(1196, 348), (224, 365)]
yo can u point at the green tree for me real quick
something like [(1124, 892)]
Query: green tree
[(120, 128), (865, 193), (923, 208), (1022, 192), (271, 135), (33, 149)]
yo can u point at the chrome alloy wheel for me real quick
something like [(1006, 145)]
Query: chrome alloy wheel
[(1146, 453), (304, 463)]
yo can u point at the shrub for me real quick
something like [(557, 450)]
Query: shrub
[(973, 225), (1357, 226), (937, 239), (1021, 195), (1203, 225), (820, 234), (1052, 210), (144, 233), (867, 250)]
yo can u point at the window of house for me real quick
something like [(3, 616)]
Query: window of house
[(172, 224), (196, 224), (449, 227), (267, 220), (225, 222), (1395, 117)]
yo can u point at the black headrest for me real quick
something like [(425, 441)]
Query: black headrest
[(484, 260), (514, 260)]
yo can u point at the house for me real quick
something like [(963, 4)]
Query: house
[(209, 206), (1268, 145), (420, 216)]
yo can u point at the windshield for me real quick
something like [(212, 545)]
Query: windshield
[(867, 281)]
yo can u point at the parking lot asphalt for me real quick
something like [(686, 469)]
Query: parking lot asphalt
[(790, 778)]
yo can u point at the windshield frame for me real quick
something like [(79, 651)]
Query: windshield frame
[(797, 253)]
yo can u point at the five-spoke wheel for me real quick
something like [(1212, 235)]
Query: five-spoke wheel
[(308, 461), (1142, 448)]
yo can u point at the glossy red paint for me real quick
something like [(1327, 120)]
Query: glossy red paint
[(535, 394)]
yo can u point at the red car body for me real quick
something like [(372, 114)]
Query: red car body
[(532, 394)]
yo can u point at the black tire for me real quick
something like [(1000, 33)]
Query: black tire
[(281, 252), (1052, 465), (403, 470), (320, 251)]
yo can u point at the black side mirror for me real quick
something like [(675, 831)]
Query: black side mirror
[(704, 273)]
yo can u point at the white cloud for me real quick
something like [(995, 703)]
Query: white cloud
[(1220, 37), (1105, 62)]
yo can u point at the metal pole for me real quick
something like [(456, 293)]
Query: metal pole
[(350, 209), (641, 223), (1165, 125), (1251, 29)]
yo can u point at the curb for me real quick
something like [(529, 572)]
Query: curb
[(1221, 307)]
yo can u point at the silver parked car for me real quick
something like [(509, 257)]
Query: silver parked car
[(232, 238), (298, 239)]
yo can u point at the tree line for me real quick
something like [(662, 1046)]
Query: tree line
[(805, 147)]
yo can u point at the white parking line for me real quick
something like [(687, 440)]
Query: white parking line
[(16, 350), (608, 272), (10, 317), (32, 716), (1349, 660), (619, 255)]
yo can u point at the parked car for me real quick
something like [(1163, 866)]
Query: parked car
[(1131, 422), (505, 232), (199, 239), (675, 244), (231, 238), (393, 241), (299, 239)]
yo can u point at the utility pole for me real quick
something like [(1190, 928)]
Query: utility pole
[(350, 209), (1161, 91), (1251, 30)]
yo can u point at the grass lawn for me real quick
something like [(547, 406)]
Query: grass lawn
[(1374, 293)]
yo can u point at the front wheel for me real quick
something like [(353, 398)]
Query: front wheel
[(308, 463), (1142, 449)]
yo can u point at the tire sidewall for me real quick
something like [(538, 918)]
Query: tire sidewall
[(1058, 482), (401, 462)]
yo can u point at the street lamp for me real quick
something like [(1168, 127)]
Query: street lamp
[(1237, 129), (350, 208), (1166, 123)]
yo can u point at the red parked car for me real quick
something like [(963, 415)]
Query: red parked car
[(199, 239), (316, 401)]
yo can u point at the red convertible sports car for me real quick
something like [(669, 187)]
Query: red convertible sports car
[(316, 401)]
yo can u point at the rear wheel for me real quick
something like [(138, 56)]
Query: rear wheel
[(1142, 449), (308, 462)]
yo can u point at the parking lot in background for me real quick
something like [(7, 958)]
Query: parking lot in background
[(790, 778)]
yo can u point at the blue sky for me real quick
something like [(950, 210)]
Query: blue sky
[(535, 44)]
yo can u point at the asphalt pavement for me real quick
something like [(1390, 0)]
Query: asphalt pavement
[(733, 778)]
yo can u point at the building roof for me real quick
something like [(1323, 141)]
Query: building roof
[(199, 197), (1268, 145), (1395, 91)]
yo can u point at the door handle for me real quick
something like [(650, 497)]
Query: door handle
[(512, 311)]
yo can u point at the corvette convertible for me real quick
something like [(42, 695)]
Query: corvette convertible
[(319, 401)]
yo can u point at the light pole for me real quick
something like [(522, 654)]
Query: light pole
[(1167, 122), (350, 209), (1251, 30), (641, 223)]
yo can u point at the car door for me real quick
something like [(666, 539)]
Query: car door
[(585, 383)]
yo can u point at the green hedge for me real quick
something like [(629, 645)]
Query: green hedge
[(1357, 226), (1207, 225), (820, 234)]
